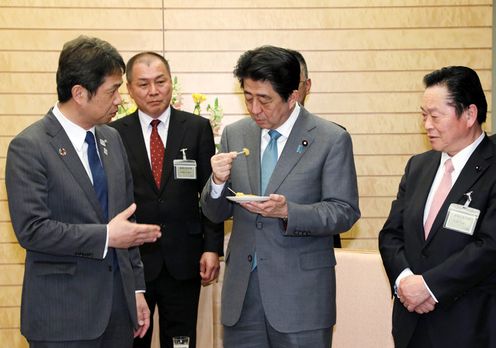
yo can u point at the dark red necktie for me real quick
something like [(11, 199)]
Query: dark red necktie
[(156, 153)]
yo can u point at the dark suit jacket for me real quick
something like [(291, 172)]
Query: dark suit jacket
[(186, 233), (67, 288), (296, 262), (458, 268)]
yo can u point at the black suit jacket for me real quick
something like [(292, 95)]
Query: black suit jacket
[(186, 233), (459, 269)]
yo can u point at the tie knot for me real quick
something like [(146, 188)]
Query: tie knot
[(448, 166), (155, 123), (274, 135), (90, 138)]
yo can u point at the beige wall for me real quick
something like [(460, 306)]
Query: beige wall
[(366, 59)]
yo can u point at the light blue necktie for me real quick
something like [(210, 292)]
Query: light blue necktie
[(269, 161)]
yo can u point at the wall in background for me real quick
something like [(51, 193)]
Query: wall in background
[(366, 59)]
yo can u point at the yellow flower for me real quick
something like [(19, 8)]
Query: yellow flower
[(198, 98)]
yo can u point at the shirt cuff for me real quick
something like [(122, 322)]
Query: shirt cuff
[(430, 292), (216, 190), (105, 250), (405, 273)]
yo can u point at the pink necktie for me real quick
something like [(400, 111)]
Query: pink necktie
[(439, 197), (156, 153)]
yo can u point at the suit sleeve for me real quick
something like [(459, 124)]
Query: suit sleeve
[(391, 238), (220, 209), (134, 253), (213, 233), (28, 179), (338, 209)]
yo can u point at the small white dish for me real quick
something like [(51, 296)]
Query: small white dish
[(248, 198)]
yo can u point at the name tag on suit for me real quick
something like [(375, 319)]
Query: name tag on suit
[(461, 218)]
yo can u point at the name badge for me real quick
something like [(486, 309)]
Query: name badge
[(184, 168), (462, 218)]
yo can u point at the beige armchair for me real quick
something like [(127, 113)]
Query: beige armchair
[(363, 297)]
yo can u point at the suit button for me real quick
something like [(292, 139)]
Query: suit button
[(110, 268), (424, 254), (250, 258), (259, 225), (160, 200)]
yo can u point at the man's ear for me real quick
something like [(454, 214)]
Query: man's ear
[(79, 94), (293, 98), (308, 86), (471, 114)]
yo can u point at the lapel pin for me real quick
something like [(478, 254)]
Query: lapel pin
[(477, 168), (62, 151), (105, 151), (103, 142), (304, 142), (299, 149)]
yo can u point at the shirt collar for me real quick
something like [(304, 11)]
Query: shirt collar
[(146, 119), (460, 159), (76, 134), (287, 126)]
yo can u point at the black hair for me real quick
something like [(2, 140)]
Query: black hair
[(276, 65), (464, 88), (86, 61)]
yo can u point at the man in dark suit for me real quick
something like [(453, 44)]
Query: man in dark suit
[(188, 252), (70, 195), (439, 243), (279, 285)]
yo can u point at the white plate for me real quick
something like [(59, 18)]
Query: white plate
[(241, 199)]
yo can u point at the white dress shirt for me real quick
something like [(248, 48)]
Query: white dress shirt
[(162, 128)]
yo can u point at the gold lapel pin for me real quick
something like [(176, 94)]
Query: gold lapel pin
[(62, 152)]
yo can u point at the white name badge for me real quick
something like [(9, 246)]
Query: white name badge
[(184, 169), (461, 218)]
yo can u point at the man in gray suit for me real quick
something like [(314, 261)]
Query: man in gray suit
[(70, 196), (279, 285)]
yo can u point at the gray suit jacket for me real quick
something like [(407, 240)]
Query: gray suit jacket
[(296, 262), (67, 288)]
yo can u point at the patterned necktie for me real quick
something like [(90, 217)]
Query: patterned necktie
[(99, 178), (439, 197), (269, 160), (156, 153)]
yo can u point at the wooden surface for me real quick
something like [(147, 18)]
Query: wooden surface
[(366, 59)]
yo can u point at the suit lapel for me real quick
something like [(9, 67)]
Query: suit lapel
[(252, 140), (61, 143), (107, 153), (175, 136), (475, 167), (292, 153), (424, 176), (133, 136)]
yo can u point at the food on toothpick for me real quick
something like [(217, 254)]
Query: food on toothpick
[(245, 152)]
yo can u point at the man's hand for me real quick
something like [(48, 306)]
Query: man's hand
[(209, 267), (426, 307), (125, 234), (143, 313), (275, 207), (412, 293), (221, 166)]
